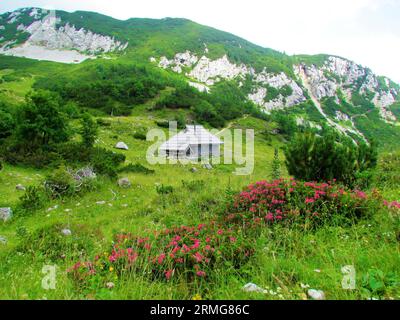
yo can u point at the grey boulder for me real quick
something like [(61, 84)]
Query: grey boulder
[(5, 214), (121, 146)]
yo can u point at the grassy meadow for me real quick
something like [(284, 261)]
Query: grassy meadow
[(286, 261)]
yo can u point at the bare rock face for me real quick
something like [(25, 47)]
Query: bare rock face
[(348, 77), (50, 39)]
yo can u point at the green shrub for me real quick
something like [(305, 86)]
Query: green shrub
[(193, 185), (33, 199), (136, 168), (163, 190), (50, 243), (106, 162), (140, 136), (321, 158), (60, 183)]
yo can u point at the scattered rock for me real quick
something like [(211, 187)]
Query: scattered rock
[(121, 146), (100, 202), (193, 170), (317, 270), (20, 187), (3, 240), (68, 210), (124, 183), (5, 214), (316, 294), (52, 208), (110, 285), (251, 287), (66, 232), (304, 286)]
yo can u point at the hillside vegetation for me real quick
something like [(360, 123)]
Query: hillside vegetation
[(323, 197)]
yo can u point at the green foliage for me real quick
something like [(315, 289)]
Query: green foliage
[(60, 183), (7, 122), (41, 121), (286, 90), (110, 87), (315, 158), (136, 168), (33, 199), (375, 284), (276, 165), (287, 125), (106, 162), (88, 131), (51, 244), (206, 112), (272, 93), (193, 185), (164, 190)]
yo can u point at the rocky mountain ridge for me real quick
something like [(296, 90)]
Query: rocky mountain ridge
[(348, 96), (336, 77), (37, 28)]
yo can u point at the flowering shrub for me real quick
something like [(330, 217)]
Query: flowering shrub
[(291, 200), (188, 251), (194, 252)]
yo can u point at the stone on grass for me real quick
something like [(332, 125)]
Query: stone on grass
[(251, 287), (66, 232), (193, 170), (100, 202), (3, 240), (20, 187), (316, 294), (124, 183), (122, 146), (5, 214), (110, 285)]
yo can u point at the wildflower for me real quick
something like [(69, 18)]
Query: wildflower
[(198, 257), (232, 239), (161, 258), (220, 232), (197, 297), (111, 269), (310, 200), (201, 274), (168, 274)]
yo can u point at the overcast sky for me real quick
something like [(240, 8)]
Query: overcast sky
[(366, 31)]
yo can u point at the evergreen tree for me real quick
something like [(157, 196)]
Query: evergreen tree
[(313, 158), (276, 166), (40, 121), (88, 130)]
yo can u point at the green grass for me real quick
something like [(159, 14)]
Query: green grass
[(285, 257)]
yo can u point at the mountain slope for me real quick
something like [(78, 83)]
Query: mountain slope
[(316, 89)]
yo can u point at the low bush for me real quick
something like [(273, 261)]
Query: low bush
[(193, 185), (65, 182), (161, 189), (189, 252), (33, 199), (309, 203), (136, 168), (50, 243), (140, 136)]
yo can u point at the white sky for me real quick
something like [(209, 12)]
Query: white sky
[(366, 31)]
